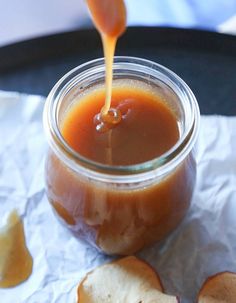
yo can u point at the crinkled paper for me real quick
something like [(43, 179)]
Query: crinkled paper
[(205, 242)]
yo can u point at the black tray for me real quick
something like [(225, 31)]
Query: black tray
[(205, 60)]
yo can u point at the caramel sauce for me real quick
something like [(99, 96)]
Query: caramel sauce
[(123, 219), (109, 18), (119, 220), (15, 260), (148, 128)]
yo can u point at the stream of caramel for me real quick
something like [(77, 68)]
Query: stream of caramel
[(109, 18)]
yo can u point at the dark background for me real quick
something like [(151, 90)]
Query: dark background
[(205, 60)]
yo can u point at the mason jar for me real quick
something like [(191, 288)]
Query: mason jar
[(121, 209)]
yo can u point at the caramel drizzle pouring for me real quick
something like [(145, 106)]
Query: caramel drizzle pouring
[(109, 18), (109, 44)]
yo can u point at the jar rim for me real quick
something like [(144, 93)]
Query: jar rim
[(157, 166)]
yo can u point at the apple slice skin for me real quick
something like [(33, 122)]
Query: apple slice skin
[(131, 265), (159, 284), (219, 288)]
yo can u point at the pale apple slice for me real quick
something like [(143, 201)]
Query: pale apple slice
[(220, 288), (127, 280)]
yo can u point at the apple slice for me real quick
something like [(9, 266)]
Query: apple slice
[(127, 280), (220, 288)]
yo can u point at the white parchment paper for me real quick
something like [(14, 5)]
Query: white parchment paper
[(205, 242)]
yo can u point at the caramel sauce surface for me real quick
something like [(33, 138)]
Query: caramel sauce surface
[(147, 129)]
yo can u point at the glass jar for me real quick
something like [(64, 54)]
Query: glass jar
[(121, 209)]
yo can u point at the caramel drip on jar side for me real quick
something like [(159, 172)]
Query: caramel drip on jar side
[(15, 260)]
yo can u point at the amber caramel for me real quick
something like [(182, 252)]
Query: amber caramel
[(125, 218)]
